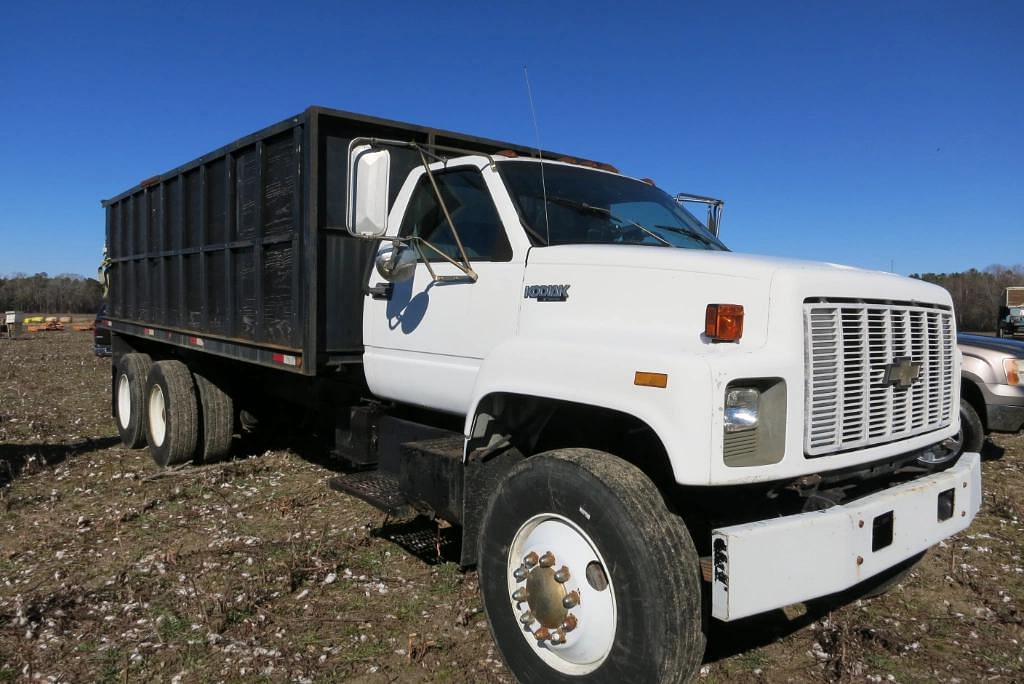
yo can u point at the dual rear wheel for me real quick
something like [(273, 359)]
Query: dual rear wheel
[(181, 415)]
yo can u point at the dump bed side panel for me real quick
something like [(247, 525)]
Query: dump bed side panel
[(212, 250)]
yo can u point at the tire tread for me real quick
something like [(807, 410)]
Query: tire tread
[(216, 420)]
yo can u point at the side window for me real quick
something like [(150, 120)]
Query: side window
[(473, 213)]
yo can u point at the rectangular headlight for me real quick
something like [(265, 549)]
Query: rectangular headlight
[(754, 426), (741, 407)]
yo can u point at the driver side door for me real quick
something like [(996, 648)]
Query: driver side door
[(425, 341)]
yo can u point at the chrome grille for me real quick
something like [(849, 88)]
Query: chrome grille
[(848, 347)]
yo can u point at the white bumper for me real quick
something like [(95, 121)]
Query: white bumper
[(768, 564)]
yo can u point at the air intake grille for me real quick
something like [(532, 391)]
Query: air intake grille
[(849, 348)]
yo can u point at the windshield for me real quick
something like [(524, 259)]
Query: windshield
[(585, 206)]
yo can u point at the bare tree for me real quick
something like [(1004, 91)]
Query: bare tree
[(976, 294)]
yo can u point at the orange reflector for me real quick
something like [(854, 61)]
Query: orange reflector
[(644, 379), (724, 322)]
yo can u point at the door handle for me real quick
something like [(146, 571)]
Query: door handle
[(381, 290)]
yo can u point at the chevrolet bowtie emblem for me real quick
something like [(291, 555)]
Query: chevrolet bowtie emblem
[(902, 373)]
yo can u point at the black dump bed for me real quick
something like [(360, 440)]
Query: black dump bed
[(243, 251)]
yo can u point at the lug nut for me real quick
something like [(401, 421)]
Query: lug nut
[(542, 634), (558, 638), (547, 560), (519, 595), (526, 618), (562, 575), (530, 559), (569, 623), (570, 600), (520, 573)]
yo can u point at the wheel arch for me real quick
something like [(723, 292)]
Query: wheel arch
[(506, 427), (535, 424), (971, 392)]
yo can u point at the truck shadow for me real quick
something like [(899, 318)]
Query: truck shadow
[(727, 639), (21, 459), (991, 451)]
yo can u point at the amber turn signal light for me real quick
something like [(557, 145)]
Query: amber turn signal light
[(646, 379), (724, 322)]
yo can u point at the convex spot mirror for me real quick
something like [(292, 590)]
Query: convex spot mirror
[(369, 172), (396, 262)]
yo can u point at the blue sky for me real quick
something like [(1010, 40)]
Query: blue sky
[(855, 132)]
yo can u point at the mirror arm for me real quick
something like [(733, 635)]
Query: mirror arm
[(448, 217), (418, 243)]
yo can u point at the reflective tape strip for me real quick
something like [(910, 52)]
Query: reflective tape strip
[(197, 341), (287, 359), (149, 331)]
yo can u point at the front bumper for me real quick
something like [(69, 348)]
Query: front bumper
[(769, 564)]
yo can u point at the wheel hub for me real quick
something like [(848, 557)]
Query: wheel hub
[(542, 589), (545, 597)]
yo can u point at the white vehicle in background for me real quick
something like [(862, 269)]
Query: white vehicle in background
[(634, 427)]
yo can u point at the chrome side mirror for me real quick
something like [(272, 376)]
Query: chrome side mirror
[(369, 172), (715, 207), (396, 262)]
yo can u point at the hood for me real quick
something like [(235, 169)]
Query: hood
[(634, 294), (997, 344), (750, 266), (796, 276)]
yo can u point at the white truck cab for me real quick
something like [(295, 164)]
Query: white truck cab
[(527, 282)]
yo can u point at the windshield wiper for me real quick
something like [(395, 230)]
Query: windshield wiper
[(585, 208), (687, 230)]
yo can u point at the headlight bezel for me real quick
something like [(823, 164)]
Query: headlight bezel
[(763, 442)]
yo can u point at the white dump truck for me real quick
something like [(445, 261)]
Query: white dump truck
[(636, 429)]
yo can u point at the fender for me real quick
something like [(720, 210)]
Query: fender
[(977, 370), (602, 375)]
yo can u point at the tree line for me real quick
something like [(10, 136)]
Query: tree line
[(40, 293), (977, 295)]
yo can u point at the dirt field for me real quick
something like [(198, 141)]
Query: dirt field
[(253, 570)]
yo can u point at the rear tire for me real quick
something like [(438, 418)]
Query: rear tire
[(606, 522), (172, 416), (129, 403), (216, 420)]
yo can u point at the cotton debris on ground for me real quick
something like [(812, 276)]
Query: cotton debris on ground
[(112, 571)]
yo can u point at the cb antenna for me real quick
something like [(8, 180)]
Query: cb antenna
[(540, 155)]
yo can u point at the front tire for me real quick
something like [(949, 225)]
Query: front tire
[(172, 416), (970, 438), (129, 404), (587, 576)]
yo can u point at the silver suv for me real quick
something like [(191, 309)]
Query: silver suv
[(991, 389)]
